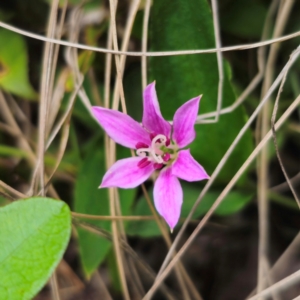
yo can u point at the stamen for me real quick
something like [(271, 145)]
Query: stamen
[(144, 162), (158, 153), (142, 152), (160, 137), (141, 145), (154, 148)]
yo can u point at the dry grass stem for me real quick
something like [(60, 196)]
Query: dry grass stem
[(144, 42), (219, 58), (148, 54), (263, 164)]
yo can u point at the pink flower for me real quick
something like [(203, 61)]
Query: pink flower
[(157, 145)]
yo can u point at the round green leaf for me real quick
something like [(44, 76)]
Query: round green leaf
[(34, 234)]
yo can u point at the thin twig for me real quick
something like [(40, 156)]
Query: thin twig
[(144, 42), (157, 53), (113, 218), (12, 191), (273, 119), (219, 57)]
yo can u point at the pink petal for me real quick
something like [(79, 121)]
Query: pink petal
[(152, 118), (120, 127), (168, 197), (184, 121), (125, 173), (187, 168)]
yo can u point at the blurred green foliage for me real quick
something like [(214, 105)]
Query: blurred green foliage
[(14, 65)]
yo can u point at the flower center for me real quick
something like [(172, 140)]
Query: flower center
[(161, 151)]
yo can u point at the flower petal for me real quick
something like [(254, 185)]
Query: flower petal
[(152, 118), (121, 127), (168, 197), (125, 173), (187, 168), (184, 121)]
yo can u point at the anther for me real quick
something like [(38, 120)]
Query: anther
[(141, 145), (144, 162)]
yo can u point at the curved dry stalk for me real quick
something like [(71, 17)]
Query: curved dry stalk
[(11, 190), (219, 58), (148, 54), (276, 144), (144, 42), (285, 185), (113, 218)]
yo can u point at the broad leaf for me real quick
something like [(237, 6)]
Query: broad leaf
[(181, 25), (34, 234)]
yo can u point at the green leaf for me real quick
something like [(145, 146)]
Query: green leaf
[(89, 199), (34, 234), (232, 203), (14, 65), (181, 25)]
